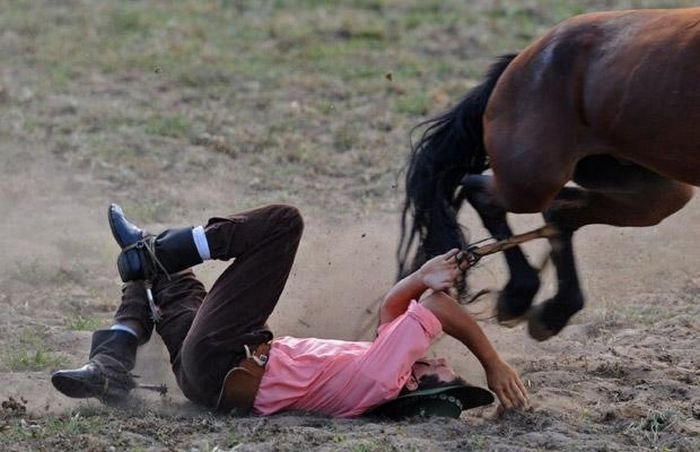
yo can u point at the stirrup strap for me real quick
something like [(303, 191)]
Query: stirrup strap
[(148, 244), (150, 271)]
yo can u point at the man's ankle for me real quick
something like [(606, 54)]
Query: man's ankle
[(200, 241), (128, 327)]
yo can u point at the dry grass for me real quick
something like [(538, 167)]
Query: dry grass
[(295, 91)]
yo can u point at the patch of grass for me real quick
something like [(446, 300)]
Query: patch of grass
[(657, 421), (231, 439), (358, 28), (144, 71), (338, 438), (364, 447), (125, 21), (168, 126), (37, 272), (430, 14), (646, 432), (414, 104), (345, 138), (610, 370), (642, 313), (82, 323), (150, 210), (74, 424), (63, 426), (31, 271), (204, 77), (29, 352)]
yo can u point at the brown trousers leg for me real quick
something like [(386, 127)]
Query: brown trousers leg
[(205, 333)]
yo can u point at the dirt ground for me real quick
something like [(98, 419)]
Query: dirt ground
[(177, 133)]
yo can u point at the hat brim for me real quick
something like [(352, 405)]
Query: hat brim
[(446, 401)]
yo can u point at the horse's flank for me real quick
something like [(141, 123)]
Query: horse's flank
[(621, 83)]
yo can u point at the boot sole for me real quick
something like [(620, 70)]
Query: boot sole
[(73, 387)]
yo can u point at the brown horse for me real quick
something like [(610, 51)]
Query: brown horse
[(609, 101)]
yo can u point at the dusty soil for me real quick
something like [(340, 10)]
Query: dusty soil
[(624, 375)]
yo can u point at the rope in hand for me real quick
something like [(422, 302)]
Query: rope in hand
[(472, 254)]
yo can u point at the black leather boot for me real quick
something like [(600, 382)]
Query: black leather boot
[(107, 374), (125, 232), (145, 256)]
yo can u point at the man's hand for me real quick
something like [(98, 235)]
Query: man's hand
[(440, 272), (504, 381)]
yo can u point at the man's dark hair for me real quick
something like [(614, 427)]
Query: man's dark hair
[(431, 381)]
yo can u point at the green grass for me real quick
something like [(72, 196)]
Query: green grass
[(33, 359), (82, 323), (168, 126), (74, 424), (31, 271), (149, 78), (417, 104), (70, 425), (149, 210), (37, 272), (30, 351), (647, 432)]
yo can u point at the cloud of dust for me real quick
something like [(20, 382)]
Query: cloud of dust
[(342, 272), (48, 216)]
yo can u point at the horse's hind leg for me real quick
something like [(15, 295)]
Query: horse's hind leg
[(615, 193), (516, 297)]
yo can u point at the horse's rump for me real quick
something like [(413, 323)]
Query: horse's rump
[(620, 83)]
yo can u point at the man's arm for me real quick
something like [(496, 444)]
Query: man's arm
[(458, 323), (437, 274)]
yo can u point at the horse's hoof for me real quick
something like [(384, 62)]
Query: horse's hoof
[(512, 309), (507, 317), (536, 328)]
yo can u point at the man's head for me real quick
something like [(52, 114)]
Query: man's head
[(431, 373), (433, 390)]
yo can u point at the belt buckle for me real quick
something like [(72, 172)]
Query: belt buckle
[(259, 360)]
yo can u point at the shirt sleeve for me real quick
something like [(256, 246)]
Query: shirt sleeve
[(423, 315), (398, 345)]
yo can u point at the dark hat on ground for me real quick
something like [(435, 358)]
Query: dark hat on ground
[(445, 401)]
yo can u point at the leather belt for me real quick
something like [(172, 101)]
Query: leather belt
[(242, 382)]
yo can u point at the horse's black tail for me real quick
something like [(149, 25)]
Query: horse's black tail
[(451, 145)]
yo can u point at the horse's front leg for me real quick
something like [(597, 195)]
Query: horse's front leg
[(548, 318), (516, 297)]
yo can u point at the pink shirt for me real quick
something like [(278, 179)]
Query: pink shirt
[(344, 378)]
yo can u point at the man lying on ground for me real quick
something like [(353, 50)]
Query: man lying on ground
[(225, 358)]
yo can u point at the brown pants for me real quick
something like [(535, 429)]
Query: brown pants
[(205, 332)]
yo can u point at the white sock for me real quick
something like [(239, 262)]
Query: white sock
[(200, 241), (121, 327)]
